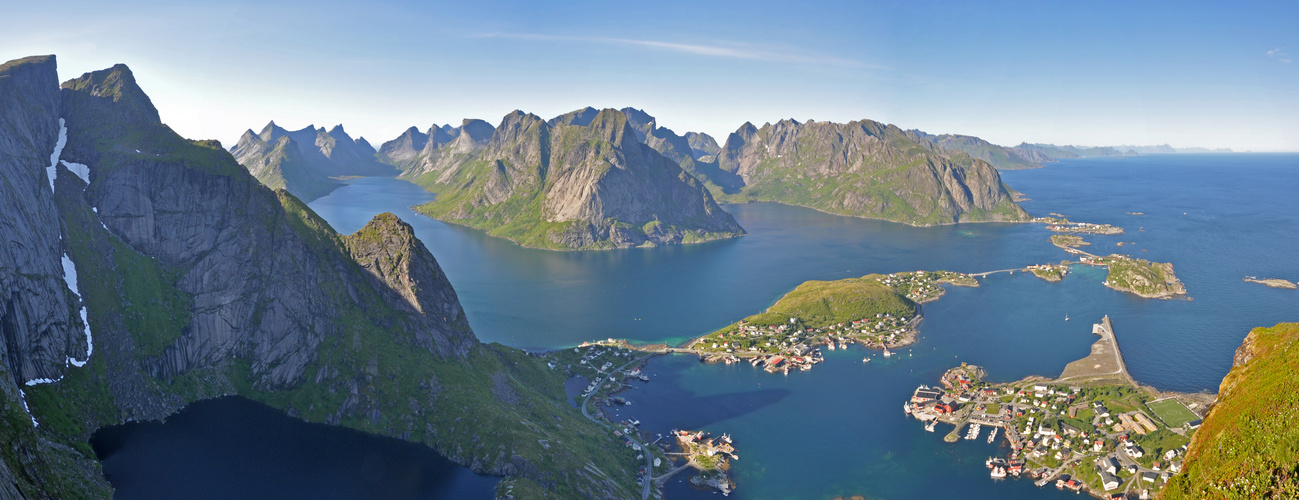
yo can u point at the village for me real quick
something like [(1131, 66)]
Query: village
[(1060, 224), (1094, 434), (795, 344)]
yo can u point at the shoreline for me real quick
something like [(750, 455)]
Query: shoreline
[(1092, 380)]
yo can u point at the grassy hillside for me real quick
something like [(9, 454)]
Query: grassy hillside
[(819, 304), (1248, 447)]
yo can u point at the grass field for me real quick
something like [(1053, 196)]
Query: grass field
[(1172, 412)]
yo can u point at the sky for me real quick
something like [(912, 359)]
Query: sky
[(1189, 74)]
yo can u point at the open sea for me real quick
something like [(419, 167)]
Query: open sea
[(839, 428)]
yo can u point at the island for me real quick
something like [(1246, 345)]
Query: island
[(1152, 280), (1050, 272), (1272, 282), (1091, 429), (1067, 241), (877, 311), (1059, 224)]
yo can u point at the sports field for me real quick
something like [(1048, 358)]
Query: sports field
[(1172, 412)]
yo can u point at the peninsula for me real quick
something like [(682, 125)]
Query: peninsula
[(1091, 429)]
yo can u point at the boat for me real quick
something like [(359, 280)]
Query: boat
[(887, 353), (830, 345), (930, 426), (974, 431), (865, 360), (998, 472), (906, 408), (993, 436), (1066, 317)]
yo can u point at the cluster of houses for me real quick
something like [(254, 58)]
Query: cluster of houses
[(1052, 431), (922, 286), (1060, 225)]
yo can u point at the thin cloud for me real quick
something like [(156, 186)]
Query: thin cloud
[(727, 52), (1280, 55)]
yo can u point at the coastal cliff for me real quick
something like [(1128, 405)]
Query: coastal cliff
[(579, 181), (199, 282), (864, 169), (1248, 446)]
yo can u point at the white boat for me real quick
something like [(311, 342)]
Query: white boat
[(887, 353), (930, 426), (1066, 317), (906, 408), (974, 431), (998, 472), (830, 345), (865, 360), (993, 436)]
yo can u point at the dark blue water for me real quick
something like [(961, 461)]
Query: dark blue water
[(234, 447)]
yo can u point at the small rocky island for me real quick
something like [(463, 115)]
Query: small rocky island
[(1152, 280), (1272, 282), (710, 456)]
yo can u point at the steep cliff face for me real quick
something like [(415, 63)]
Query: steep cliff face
[(306, 162), (39, 323), (581, 180), (865, 169), (42, 332), (1248, 446), (202, 282)]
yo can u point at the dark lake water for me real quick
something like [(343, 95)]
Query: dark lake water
[(839, 429), (234, 447)]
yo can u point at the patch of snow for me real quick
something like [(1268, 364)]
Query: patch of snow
[(52, 171), (70, 276), (23, 398), (38, 381), (82, 171)]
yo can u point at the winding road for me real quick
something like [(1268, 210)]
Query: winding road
[(649, 457)]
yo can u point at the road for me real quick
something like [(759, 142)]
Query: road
[(649, 457)]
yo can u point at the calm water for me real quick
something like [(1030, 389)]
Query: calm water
[(838, 430), (236, 448)]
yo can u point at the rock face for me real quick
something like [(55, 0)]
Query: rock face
[(866, 169), (388, 250), (581, 180), (38, 313), (203, 282), (305, 162)]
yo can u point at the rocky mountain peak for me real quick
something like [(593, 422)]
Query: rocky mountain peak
[(579, 118), (110, 95), (398, 261)]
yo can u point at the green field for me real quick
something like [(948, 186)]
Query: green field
[(1172, 412)]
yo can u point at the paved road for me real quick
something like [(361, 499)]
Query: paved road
[(649, 457)]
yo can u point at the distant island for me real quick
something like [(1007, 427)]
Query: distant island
[(1272, 282)]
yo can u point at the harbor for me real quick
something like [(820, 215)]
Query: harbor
[(1093, 429)]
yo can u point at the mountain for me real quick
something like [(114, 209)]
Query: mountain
[(40, 325), (582, 180), (1248, 445), (864, 169), (307, 162), (702, 145), (679, 149), (1051, 152), (1002, 158), (199, 281)]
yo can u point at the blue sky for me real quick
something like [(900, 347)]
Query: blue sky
[(1090, 73)]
